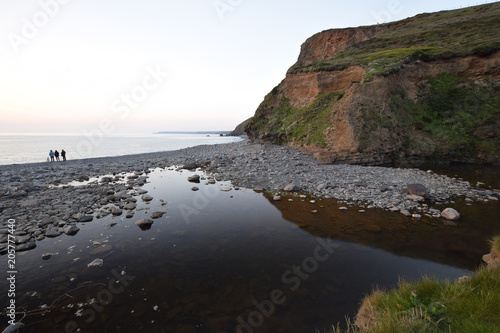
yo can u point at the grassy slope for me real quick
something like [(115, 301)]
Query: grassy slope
[(473, 30), (429, 305)]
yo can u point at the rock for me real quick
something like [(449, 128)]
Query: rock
[(52, 233), (71, 230), (25, 246), (258, 189), (343, 208), (384, 188), (405, 212), (116, 211), (22, 239), (47, 256), (450, 214), (394, 209), (194, 179), (157, 215), (86, 218), (291, 188), (147, 197), (416, 198), (314, 211), (96, 263), (225, 189), (144, 224), (129, 214), (321, 187), (492, 198), (417, 189), (277, 198), (192, 166), (130, 206), (416, 216), (194, 189)]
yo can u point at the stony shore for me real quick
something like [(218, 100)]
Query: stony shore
[(37, 196)]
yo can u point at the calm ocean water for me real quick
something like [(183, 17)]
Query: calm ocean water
[(35, 148)]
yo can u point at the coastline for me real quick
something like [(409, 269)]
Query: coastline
[(38, 197)]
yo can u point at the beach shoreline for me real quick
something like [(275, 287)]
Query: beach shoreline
[(38, 197)]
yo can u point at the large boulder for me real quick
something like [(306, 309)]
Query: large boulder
[(417, 189)]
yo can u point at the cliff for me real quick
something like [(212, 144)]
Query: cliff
[(425, 88)]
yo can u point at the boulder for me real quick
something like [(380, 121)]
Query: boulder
[(144, 224), (291, 188), (157, 215), (147, 197), (52, 233), (194, 179), (417, 189), (86, 218), (71, 230), (450, 214)]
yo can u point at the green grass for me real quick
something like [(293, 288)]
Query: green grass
[(300, 125), (456, 112), (430, 305), (495, 244), (473, 30)]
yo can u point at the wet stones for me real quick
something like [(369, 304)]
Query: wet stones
[(71, 230), (156, 215), (86, 218), (450, 214), (96, 263), (146, 198), (194, 179), (144, 224)]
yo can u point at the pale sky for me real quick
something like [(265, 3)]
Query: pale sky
[(130, 66)]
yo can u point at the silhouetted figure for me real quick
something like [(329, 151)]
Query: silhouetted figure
[(63, 154), (56, 154), (51, 154)]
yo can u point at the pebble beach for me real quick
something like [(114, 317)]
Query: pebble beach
[(50, 199)]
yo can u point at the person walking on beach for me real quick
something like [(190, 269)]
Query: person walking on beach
[(63, 154), (56, 154), (51, 154)]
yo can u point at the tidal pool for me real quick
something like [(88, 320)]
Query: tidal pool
[(224, 259)]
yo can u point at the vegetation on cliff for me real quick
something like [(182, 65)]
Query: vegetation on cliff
[(470, 304), (457, 33), (458, 114), (427, 87)]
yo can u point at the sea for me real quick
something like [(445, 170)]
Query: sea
[(33, 148)]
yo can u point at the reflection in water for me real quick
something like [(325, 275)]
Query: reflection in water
[(231, 261)]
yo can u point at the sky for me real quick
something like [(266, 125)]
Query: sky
[(132, 67)]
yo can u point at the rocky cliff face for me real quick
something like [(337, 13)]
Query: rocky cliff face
[(426, 87)]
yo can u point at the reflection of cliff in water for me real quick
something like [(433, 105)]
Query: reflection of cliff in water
[(430, 239)]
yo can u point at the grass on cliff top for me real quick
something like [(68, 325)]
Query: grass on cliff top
[(472, 30), (430, 305)]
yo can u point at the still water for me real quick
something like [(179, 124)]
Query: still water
[(235, 261)]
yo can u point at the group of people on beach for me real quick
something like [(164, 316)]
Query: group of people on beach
[(55, 154)]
